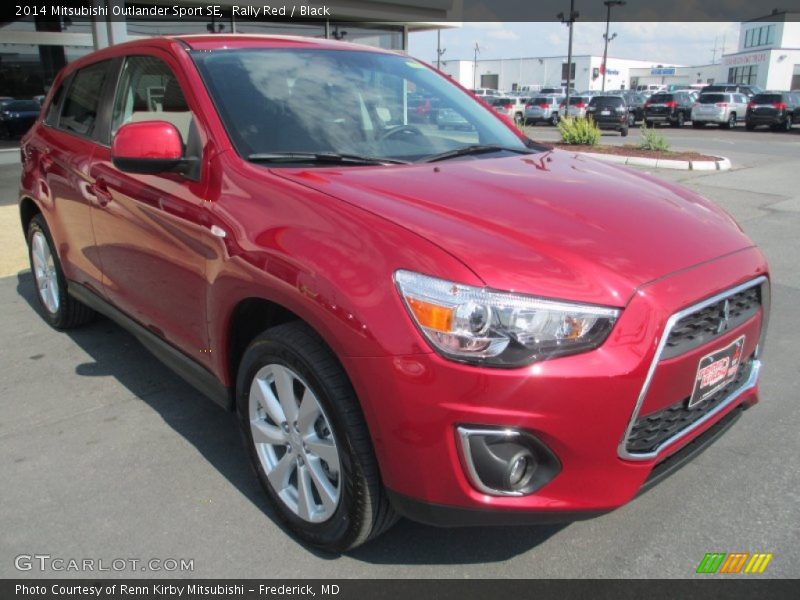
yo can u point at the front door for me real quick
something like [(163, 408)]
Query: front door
[(150, 229)]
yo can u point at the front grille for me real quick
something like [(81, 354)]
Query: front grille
[(703, 325), (650, 431)]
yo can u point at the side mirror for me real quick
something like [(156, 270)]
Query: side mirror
[(149, 147)]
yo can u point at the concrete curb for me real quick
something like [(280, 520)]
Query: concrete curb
[(722, 164)]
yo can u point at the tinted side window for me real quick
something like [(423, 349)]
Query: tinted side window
[(79, 114), (51, 117), (148, 90)]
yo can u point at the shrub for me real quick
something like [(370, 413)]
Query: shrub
[(579, 131), (651, 140)]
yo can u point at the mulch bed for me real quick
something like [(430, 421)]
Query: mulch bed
[(630, 150)]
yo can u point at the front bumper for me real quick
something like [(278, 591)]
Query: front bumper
[(579, 407)]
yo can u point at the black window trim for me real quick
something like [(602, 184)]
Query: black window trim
[(65, 83)]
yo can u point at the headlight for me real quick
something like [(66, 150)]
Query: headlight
[(500, 329)]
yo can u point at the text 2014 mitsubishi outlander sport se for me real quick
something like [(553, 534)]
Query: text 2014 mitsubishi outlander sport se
[(459, 326)]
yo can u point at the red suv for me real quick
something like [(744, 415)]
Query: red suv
[(461, 327)]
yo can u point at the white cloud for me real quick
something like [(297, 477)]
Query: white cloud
[(503, 34)]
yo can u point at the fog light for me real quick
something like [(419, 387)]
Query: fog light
[(506, 462), (520, 470)]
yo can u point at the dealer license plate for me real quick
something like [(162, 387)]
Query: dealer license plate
[(716, 370)]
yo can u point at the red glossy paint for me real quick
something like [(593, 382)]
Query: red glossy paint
[(157, 140), (324, 244)]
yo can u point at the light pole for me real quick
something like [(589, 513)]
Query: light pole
[(568, 21), (609, 4), (475, 85), (439, 50)]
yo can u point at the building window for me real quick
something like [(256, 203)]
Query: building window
[(746, 75), (564, 72), (759, 36)]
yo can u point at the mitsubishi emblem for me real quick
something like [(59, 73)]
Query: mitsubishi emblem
[(724, 317)]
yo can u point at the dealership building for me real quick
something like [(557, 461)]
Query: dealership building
[(34, 48), (767, 55)]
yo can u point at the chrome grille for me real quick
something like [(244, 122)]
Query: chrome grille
[(707, 323)]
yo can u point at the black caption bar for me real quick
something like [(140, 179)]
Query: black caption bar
[(405, 10), (483, 589)]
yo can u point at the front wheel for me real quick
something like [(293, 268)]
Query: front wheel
[(60, 309), (308, 441)]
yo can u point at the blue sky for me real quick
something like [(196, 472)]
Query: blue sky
[(667, 43)]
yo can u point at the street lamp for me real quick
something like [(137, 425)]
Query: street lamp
[(568, 21), (609, 4)]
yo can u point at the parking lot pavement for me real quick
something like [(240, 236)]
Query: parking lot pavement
[(105, 454)]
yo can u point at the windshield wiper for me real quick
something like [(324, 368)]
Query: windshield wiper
[(474, 149), (323, 157)]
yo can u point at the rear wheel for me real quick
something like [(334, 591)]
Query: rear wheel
[(624, 131), (787, 123), (554, 119), (307, 440), (60, 309), (698, 124), (679, 120), (749, 126)]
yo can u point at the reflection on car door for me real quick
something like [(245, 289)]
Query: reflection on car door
[(149, 228), (65, 148)]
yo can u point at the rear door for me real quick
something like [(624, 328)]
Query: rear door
[(151, 230), (64, 148)]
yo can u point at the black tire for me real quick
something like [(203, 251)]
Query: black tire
[(70, 313), (518, 118), (624, 131), (749, 126), (730, 123), (364, 511), (631, 120), (554, 120), (679, 120), (787, 123), (648, 124), (698, 124)]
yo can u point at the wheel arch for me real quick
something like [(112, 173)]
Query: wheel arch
[(27, 210)]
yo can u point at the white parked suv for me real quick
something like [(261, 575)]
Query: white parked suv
[(724, 109)]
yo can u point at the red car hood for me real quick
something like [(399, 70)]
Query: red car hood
[(549, 224)]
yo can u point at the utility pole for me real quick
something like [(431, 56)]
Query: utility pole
[(439, 50), (609, 4), (475, 85), (569, 21)]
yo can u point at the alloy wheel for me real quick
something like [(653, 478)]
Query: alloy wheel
[(44, 271), (294, 443)]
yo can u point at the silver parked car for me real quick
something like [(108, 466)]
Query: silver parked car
[(542, 108), (724, 109), (577, 107)]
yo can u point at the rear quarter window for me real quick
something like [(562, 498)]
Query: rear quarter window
[(658, 98), (607, 102), (51, 116)]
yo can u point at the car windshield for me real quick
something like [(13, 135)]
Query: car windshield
[(713, 98), (767, 99), (606, 101), (656, 98), (22, 106), (288, 100)]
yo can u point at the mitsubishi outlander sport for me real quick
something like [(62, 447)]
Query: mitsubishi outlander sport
[(457, 326)]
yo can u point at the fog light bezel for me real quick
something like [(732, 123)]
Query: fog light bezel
[(547, 464)]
